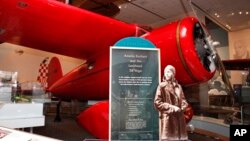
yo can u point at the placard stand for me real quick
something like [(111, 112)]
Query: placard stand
[(134, 77)]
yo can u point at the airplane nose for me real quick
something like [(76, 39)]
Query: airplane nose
[(184, 45)]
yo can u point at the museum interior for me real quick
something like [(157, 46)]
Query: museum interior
[(79, 70)]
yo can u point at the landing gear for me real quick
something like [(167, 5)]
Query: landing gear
[(58, 117)]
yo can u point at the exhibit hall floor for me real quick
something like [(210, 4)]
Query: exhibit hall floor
[(69, 130)]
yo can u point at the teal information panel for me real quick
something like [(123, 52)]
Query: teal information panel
[(134, 77)]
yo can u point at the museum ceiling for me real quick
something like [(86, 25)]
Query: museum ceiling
[(232, 15)]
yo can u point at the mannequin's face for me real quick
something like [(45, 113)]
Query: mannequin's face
[(168, 75)]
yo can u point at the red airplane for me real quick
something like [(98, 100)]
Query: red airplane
[(53, 26)]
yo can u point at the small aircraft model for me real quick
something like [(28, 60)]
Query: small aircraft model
[(55, 27)]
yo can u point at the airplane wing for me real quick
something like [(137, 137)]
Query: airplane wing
[(53, 26)]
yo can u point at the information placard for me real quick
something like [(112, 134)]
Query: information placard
[(134, 77)]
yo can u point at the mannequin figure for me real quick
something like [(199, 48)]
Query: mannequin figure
[(171, 104)]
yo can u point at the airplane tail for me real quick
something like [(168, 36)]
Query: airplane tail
[(54, 71)]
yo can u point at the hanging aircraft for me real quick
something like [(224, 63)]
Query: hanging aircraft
[(55, 27)]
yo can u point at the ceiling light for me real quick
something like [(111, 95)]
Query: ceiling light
[(229, 27), (232, 13), (217, 15), (247, 13), (240, 12)]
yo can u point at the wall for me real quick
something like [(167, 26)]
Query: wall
[(239, 43), (27, 64)]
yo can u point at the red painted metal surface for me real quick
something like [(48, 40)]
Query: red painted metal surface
[(87, 82), (54, 71), (95, 120), (180, 34), (52, 26)]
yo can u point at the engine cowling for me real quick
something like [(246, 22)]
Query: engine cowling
[(183, 44)]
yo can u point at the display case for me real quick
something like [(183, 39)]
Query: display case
[(32, 91), (16, 111), (8, 85), (21, 115)]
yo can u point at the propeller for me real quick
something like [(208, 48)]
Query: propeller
[(209, 54), (221, 68), (206, 53)]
